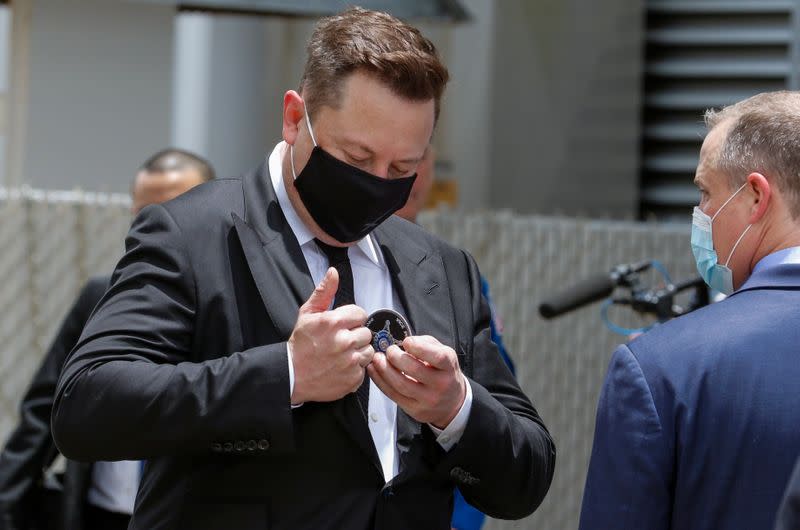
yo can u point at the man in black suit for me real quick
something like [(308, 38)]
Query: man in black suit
[(214, 357), (92, 496)]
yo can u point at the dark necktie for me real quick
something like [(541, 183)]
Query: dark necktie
[(338, 259)]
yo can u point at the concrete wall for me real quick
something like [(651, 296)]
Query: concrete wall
[(5, 38), (231, 74), (566, 99), (542, 113), (99, 92)]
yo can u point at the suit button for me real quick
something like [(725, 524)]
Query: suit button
[(227, 447), (252, 445), (239, 446), (388, 493), (263, 445), (216, 447)]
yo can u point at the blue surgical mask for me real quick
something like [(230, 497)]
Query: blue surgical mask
[(718, 277)]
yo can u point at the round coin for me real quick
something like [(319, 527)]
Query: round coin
[(388, 327)]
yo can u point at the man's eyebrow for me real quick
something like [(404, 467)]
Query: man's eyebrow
[(350, 143), (358, 145)]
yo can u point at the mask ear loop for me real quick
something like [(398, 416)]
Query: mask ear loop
[(291, 147), (745, 230), (724, 204), (311, 131), (737, 244)]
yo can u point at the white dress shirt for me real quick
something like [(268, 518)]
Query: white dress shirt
[(114, 485), (373, 290)]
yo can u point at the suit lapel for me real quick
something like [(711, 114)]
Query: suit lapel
[(418, 279), (284, 283), (273, 255)]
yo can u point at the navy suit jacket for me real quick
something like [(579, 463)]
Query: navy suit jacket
[(789, 514), (698, 423)]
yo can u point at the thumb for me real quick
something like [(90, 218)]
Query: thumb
[(323, 295)]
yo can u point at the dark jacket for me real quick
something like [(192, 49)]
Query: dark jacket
[(30, 449), (184, 364)]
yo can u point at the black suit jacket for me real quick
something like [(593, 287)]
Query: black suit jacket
[(184, 364), (30, 448)]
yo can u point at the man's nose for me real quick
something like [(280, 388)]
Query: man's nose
[(379, 168)]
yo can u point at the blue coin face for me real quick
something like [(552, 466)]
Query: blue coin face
[(388, 327)]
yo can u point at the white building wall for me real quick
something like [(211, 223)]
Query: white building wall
[(98, 92)]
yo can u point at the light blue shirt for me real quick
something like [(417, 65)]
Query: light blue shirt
[(787, 255)]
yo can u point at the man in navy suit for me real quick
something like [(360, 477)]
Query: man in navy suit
[(697, 424)]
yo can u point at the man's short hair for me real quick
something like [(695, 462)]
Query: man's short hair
[(763, 135), (375, 43), (178, 160)]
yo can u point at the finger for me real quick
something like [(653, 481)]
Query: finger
[(389, 391), (352, 339), (349, 316), (430, 351), (364, 356), (358, 380), (361, 337), (409, 365), (323, 295), (397, 381)]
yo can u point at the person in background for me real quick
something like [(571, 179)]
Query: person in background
[(232, 350), (697, 426), (465, 516), (97, 496)]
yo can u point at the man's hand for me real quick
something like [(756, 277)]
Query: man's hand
[(329, 348), (424, 380)]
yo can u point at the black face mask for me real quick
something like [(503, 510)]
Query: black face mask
[(347, 202)]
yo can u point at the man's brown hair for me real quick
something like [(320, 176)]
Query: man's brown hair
[(378, 44)]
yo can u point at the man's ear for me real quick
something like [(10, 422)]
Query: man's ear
[(293, 109), (762, 190)]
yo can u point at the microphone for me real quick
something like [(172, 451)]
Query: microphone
[(585, 292), (589, 290)]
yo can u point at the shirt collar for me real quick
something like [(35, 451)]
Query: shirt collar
[(786, 255), (300, 230)]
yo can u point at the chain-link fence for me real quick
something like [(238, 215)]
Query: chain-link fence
[(51, 242), (561, 362)]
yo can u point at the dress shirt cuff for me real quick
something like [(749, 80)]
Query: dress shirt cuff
[(291, 375), (451, 434)]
